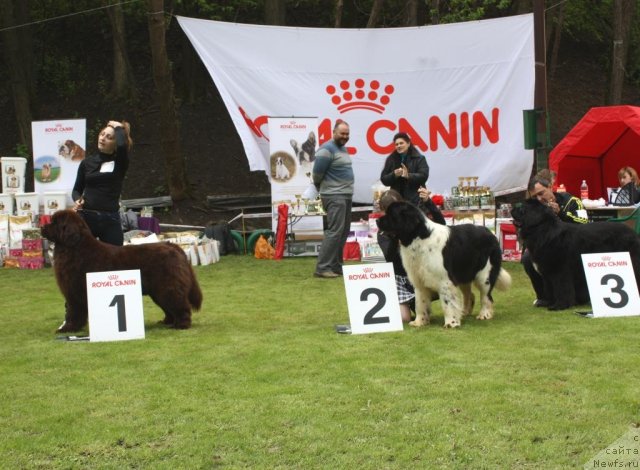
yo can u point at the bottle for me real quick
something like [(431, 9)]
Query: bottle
[(584, 190)]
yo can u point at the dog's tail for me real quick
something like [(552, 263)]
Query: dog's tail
[(195, 294), (504, 280)]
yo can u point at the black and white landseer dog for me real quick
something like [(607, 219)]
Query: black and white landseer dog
[(446, 260), (556, 247)]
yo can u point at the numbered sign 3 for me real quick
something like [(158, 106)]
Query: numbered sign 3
[(612, 284), (115, 305), (372, 298)]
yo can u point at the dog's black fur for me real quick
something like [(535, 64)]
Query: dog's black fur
[(555, 248), (446, 260)]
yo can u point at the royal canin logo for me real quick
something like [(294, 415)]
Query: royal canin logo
[(462, 129), (361, 96)]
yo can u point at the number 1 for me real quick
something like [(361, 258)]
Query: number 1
[(122, 312)]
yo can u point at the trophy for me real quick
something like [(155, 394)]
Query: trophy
[(298, 197)]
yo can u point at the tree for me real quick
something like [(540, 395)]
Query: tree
[(376, 8), (17, 56), (338, 13), (623, 14), (411, 13), (555, 22), (274, 12), (175, 170), (123, 81)]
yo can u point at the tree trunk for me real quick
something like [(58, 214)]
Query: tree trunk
[(338, 13), (123, 82), (19, 73), (275, 12), (411, 13), (175, 170), (376, 8), (434, 11), (623, 12), (558, 24)]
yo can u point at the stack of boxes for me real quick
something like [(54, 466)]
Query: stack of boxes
[(32, 256), (20, 243)]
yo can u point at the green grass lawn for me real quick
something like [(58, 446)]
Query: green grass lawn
[(263, 381)]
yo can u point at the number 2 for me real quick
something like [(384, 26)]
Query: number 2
[(370, 318)]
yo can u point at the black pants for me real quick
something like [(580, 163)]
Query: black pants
[(105, 226)]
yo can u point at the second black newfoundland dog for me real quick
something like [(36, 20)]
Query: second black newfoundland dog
[(555, 248)]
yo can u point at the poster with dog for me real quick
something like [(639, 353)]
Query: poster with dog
[(293, 144), (58, 148)]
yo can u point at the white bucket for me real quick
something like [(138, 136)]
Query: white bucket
[(53, 201), (13, 171), (6, 204), (27, 204)]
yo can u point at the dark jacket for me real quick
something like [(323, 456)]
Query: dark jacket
[(99, 185), (416, 163)]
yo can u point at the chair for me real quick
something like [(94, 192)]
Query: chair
[(632, 220)]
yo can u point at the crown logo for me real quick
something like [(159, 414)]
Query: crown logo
[(112, 277), (606, 258), (372, 96), (368, 270)]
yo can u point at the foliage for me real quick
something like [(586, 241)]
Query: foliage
[(61, 75), (471, 10), (263, 381), (22, 150)]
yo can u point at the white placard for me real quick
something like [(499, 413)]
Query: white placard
[(612, 284), (115, 305), (372, 298)]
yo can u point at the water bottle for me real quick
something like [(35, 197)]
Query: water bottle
[(584, 190)]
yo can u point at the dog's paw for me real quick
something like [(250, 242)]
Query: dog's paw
[(68, 327), (555, 307), (484, 316), (418, 323), (452, 324)]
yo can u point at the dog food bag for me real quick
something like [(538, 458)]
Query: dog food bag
[(4, 229), (18, 223)]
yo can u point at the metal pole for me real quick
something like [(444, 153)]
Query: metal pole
[(540, 97)]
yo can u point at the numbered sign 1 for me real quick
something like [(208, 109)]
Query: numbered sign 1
[(612, 284), (372, 298), (115, 305)]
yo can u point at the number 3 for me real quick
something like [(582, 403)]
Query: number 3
[(616, 289)]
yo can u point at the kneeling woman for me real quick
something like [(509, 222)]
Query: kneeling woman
[(99, 183)]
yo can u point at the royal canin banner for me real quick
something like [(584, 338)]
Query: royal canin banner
[(458, 90)]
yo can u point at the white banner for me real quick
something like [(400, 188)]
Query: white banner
[(293, 144), (58, 149), (457, 89)]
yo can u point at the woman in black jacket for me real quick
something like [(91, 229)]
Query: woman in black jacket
[(406, 169), (99, 180)]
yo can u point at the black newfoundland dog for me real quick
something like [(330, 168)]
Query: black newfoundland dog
[(166, 274), (447, 261), (555, 248)]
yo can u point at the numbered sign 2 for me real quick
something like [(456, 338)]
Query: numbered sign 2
[(115, 305), (372, 298), (612, 284)]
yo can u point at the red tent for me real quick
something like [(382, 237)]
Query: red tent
[(603, 141)]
